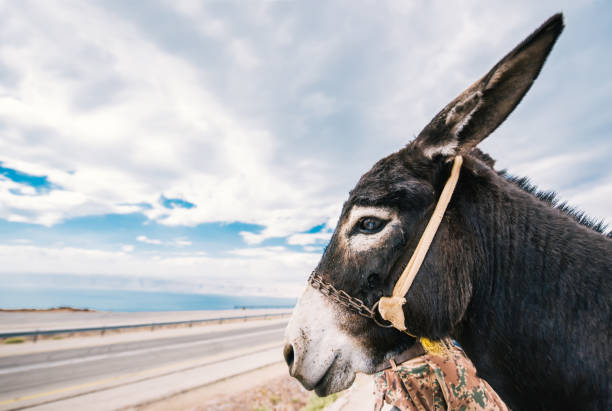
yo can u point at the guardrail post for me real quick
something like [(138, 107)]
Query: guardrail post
[(35, 336)]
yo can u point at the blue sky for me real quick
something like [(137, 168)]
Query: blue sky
[(209, 145)]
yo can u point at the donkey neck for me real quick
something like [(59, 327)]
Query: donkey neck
[(529, 263), (527, 243)]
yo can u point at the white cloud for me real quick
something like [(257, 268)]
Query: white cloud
[(320, 104), (260, 251), (311, 249), (177, 242), (147, 240), (235, 136), (252, 238), (128, 248), (268, 271), (167, 134), (595, 199), (264, 113), (181, 242), (309, 238), (243, 54)]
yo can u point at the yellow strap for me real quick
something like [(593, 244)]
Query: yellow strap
[(390, 308), (433, 347)]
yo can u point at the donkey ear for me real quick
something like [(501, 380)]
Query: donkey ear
[(478, 111)]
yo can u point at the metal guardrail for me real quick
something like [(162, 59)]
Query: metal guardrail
[(103, 329)]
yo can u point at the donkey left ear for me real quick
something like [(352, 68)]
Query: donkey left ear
[(477, 112)]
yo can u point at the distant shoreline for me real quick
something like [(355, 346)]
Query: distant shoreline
[(17, 298), (79, 310), (39, 310)]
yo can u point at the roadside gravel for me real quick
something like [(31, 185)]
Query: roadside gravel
[(268, 388), (279, 394)]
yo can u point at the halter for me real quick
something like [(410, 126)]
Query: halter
[(390, 308)]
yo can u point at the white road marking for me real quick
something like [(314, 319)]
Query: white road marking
[(52, 364)]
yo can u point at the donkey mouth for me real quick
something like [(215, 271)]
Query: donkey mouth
[(334, 379), (322, 387)]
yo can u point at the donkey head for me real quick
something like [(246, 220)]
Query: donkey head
[(380, 225)]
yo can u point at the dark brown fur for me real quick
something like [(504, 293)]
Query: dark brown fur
[(521, 282)]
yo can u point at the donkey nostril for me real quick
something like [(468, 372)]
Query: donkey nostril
[(288, 354)]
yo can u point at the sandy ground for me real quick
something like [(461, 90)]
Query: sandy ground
[(267, 388)]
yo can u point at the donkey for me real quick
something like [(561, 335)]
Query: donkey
[(521, 282)]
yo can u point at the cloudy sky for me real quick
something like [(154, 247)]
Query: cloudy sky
[(208, 146)]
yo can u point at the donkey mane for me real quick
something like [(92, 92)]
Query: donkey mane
[(548, 196), (551, 197)]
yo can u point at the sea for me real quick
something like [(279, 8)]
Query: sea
[(131, 301)]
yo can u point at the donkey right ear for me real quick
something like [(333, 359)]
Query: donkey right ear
[(477, 112)]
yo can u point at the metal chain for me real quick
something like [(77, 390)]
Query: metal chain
[(344, 299)]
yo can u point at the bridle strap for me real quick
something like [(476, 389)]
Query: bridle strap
[(390, 308)]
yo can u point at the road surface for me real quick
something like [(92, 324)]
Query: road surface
[(114, 375)]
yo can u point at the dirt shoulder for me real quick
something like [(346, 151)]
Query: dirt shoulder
[(267, 388)]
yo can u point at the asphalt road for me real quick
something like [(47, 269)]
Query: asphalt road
[(23, 376)]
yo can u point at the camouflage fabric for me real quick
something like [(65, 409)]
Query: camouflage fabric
[(442, 379)]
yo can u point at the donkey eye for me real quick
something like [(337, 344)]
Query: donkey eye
[(370, 225)]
